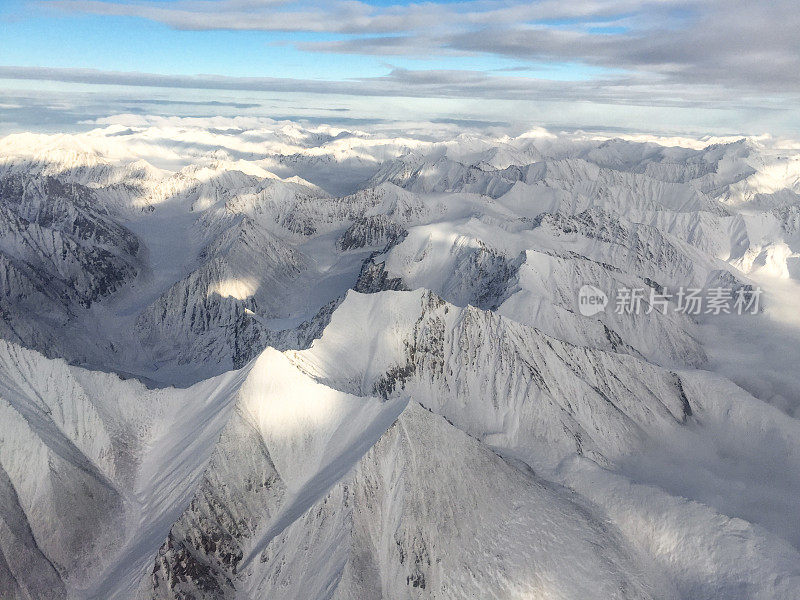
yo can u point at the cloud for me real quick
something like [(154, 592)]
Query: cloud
[(338, 17), (715, 65), (740, 45), (354, 17), (211, 103), (407, 83), (737, 44)]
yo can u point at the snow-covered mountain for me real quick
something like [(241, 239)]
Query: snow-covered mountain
[(294, 362)]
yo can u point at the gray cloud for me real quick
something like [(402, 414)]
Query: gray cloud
[(743, 47), (411, 84), (737, 44)]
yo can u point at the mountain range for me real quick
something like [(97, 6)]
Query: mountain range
[(273, 360)]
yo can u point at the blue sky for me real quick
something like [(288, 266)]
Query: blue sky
[(45, 36), (634, 64)]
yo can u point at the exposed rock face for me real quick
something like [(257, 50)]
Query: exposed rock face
[(374, 230), (54, 233), (205, 546)]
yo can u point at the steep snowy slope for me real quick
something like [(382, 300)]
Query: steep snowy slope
[(295, 502), (288, 440), (504, 385), (59, 253), (91, 466), (532, 271), (430, 512), (247, 271)]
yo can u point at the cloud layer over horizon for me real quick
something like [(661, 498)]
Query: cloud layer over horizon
[(736, 60)]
